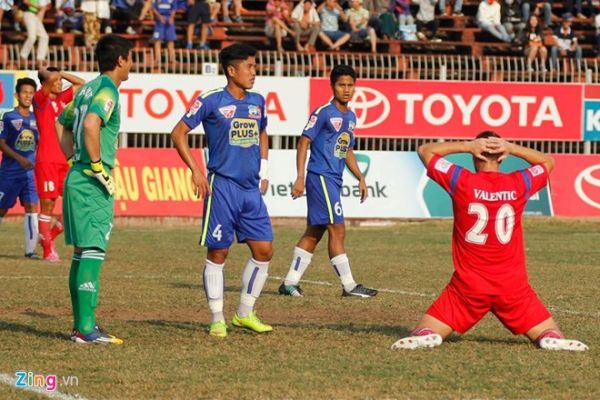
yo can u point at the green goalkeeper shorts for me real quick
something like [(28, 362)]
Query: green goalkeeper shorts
[(88, 210)]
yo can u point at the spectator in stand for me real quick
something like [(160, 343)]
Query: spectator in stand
[(199, 12), (574, 7), (456, 9), (277, 19), (306, 21), (512, 19), (377, 9), (66, 12), (565, 42), (237, 10), (33, 17), (540, 8), (127, 11), (164, 27), (331, 12), (358, 18), (488, 19), (426, 21), (95, 13), (5, 5), (534, 41), (401, 9), (597, 23), (214, 7)]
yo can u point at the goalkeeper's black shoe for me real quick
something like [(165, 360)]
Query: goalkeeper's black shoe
[(360, 291)]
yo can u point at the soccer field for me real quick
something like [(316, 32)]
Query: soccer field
[(322, 346)]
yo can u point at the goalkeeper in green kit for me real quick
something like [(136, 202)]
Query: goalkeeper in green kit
[(90, 126)]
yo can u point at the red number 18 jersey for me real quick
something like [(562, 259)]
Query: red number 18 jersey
[(487, 240)]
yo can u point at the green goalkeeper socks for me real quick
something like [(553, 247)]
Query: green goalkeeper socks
[(73, 287), (88, 286)]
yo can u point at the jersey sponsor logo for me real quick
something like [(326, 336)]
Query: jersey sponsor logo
[(536, 170), (194, 109), (254, 112), (17, 123), (108, 105), (337, 123), (244, 132), (503, 195), (342, 143), (586, 186), (351, 126), (33, 124), (25, 141), (86, 93), (228, 111), (443, 165), (311, 122)]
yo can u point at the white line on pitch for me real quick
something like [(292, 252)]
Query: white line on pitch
[(10, 381)]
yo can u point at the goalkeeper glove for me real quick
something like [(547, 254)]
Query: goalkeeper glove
[(101, 175), (70, 161)]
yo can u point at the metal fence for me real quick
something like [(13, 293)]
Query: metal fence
[(372, 66)]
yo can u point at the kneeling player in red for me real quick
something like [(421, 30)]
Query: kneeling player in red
[(487, 245)]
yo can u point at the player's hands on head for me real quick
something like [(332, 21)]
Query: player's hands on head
[(200, 183), (97, 171), (499, 146), (364, 191), (298, 188), (478, 147)]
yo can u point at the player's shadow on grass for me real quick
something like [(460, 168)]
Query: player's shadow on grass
[(511, 341), (183, 325), (6, 326), (393, 331), (14, 257), (197, 286)]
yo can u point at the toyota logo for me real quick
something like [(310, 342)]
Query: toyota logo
[(370, 106), (587, 177)]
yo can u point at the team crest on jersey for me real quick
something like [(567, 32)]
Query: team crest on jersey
[(108, 105), (17, 123), (443, 165), (536, 170), (25, 141), (337, 123), (342, 143), (243, 132), (32, 123), (254, 112), (194, 108), (351, 126), (228, 111), (311, 122)]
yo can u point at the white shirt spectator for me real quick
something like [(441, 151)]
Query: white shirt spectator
[(426, 11), (489, 12), (298, 13)]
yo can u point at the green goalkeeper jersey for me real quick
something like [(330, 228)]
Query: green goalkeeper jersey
[(100, 97)]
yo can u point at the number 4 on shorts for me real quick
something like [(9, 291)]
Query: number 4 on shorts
[(217, 233)]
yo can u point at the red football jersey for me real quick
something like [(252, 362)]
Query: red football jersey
[(487, 239), (46, 112)]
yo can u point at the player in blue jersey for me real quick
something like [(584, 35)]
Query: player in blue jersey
[(18, 140), (330, 135), (235, 123)]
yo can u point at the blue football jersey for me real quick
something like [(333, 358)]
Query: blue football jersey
[(331, 132), (232, 129), (21, 134)]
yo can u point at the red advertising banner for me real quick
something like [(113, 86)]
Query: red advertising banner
[(576, 185), (151, 182), (395, 108)]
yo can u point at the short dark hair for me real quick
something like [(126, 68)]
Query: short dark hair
[(49, 69), (341, 70), (108, 50), (234, 53), (24, 82), (487, 134)]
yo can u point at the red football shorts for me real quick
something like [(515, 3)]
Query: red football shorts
[(519, 312), (49, 179)]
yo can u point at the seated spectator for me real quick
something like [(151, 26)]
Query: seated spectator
[(540, 8), (330, 12), (565, 42), (534, 43), (164, 27), (401, 9), (512, 18), (276, 26), (456, 9), (377, 9), (488, 19), (66, 12), (426, 21), (237, 10), (574, 7), (214, 6), (597, 23), (95, 14), (358, 18), (33, 15), (306, 21), (199, 12), (127, 11)]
